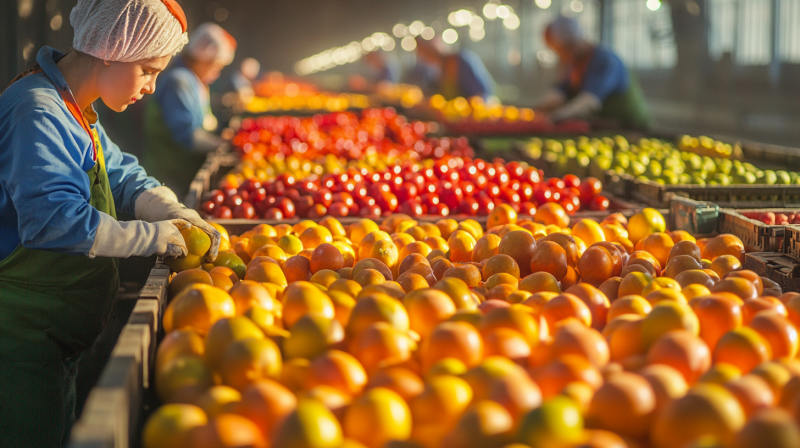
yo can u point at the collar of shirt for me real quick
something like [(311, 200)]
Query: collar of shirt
[(48, 58)]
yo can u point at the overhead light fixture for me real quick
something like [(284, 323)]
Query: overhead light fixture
[(399, 30), (653, 5), (408, 43), (490, 11), (543, 4), (450, 36), (476, 23)]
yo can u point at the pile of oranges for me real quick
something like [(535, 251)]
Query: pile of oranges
[(522, 333)]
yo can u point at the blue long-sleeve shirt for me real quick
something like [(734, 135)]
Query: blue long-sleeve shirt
[(473, 77), (605, 75), (44, 157), (182, 101)]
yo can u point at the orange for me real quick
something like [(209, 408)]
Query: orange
[(401, 380), (644, 223), (386, 252), (461, 245), (589, 231), (551, 213), (324, 277), (326, 256), (681, 235), (442, 402), (720, 373), (775, 374), (596, 265), (436, 242), (471, 226), (595, 300), (412, 282), (660, 283), (197, 307), (458, 291), (309, 425), (632, 304), (486, 247), (549, 257), (484, 423), (197, 245), (555, 375), (178, 343), (247, 360), (745, 289), (378, 416), (272, 251), (742, 348), (339, 370), (752, 307), (297, 268), (427, 308), (381, 345), (223, 277), (659, 244), (515, 317), (572, 338), (311, 335), (624, 404), (706, 410), (185, 373), (668, 384), (557, 422), (717, 315), (401, 240), (501, 215), (500, 263), (447, 226), (779, 333), (634, 283), (366, 277), (680, 264), (724, 244), (266, 273), (610, 288), (301, 298), (501, 278), (568, 243), (457, 340), (519, 245), (667, 316), (566, 306), (343, 305), (186, 278), (171, 425), (539, 282), (625, 337), (725, 264), (692, 291), (683, 351), (377, 308), (771, 427), (228, 431), (223, 333), (365, 246), (361, 229), (506, 343), (219, 400)]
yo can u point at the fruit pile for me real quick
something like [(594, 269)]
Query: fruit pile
[(772, 218), (345, 164), (475, 117), (405, 95), (448, 185), (658, 161), (274, 93), (531, 332)]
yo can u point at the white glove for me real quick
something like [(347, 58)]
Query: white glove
[(582, 106), (115, 239), (160, 204)]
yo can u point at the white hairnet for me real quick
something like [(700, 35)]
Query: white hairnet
[(128, 30), (564, 30), (210, 43)]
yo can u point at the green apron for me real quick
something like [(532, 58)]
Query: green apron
[(163, 157), (628, 108), (52, 307)]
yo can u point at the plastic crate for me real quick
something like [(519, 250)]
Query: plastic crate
[(730, 196), (791, 241), (755, 235), (697, 218), (780, 268)]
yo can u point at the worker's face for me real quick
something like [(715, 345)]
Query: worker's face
[(123, 83), (208, 72), (564, 52)]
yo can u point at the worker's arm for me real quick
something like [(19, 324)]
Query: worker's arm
[(183, 114), (43, 167), (475, 78), (551, 100), (604, 76)]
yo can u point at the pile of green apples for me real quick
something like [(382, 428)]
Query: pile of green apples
[(655, 160)]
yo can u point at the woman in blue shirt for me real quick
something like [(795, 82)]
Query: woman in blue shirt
[(62, 181), (460, 74), (595, 81)]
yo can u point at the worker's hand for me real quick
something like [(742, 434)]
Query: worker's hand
[(160, 203), (194, 219), (170, 241)]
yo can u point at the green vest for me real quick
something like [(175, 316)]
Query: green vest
[(628, 108), (54, 305)]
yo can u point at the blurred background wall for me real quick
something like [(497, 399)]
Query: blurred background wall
[(722, 67)]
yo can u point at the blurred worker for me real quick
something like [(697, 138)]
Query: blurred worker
[(383, 70), (178, 121), (234, 93), (595, 82), (62, 181), (453, 74)]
